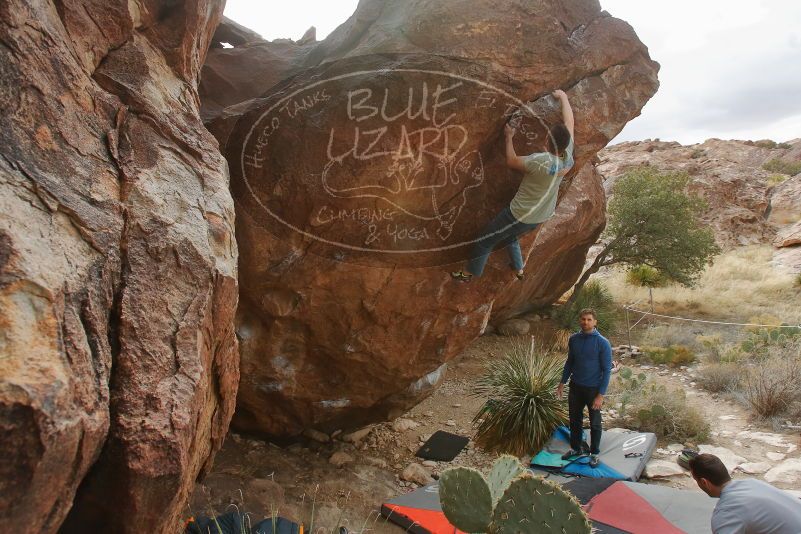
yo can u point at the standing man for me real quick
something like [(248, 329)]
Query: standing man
[(589, 362), (746, 506)]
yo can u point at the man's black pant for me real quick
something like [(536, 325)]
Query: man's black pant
[(579, 397)]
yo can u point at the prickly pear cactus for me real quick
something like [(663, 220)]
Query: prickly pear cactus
[(465, 499), (533, 504), (504, 470)]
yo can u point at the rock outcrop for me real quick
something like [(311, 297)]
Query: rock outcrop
[(368, 163), (745, 204), (118, 275)]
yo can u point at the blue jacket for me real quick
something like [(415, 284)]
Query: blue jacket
[(589, 360)]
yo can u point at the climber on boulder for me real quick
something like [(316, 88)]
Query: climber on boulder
[(535, 200)]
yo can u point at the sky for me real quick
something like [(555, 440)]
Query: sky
[(730, 69)]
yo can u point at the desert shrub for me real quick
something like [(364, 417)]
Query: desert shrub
[(772, 386), (561, 338), (697, 153), (712, 345), (761, 341), (674, 355), (665, 335), (765, 143), (784, 145), (785, 167), (521, 410), (593, 295), (720, 377), (776, 179), (629, 385), (644, 276), (649, 407), (797, 280)]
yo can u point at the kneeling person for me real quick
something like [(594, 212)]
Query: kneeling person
[(589, 363), (746, 506)]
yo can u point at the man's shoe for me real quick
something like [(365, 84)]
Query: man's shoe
[(594, 461), (570, 454)]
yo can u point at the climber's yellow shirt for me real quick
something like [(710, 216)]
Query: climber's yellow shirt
[(535, 200)]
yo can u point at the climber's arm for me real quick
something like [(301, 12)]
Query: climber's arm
[(512, 159), (567, 111)]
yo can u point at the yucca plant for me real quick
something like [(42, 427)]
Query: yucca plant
[(594, 295), (521, 411), (644, 276)]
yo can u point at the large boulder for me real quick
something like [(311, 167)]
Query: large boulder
[(118, 360), (367, 165)]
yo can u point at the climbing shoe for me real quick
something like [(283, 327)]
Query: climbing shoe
[(461, 276), (570, 454)]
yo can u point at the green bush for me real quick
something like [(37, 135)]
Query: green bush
[(644, 276), (784, 145), (674, 355), (697, 153), (521, 410), (720, 377), (785, 167), (649, 407), (593, 295), (765, 143)]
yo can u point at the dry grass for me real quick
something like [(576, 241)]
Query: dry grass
[(740, 284), (772, 386), (720, 377)]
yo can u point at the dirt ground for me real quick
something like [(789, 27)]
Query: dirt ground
[(258, 477)]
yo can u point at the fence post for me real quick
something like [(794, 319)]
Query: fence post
[(628, 325)]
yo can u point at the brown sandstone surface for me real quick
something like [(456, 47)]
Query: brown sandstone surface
[(347, 225), (744, 206), (785, 202), (118, 276)]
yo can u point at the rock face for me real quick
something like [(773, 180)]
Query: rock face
[(789, 236), (118, 361), (785, 203), (662, 469), (729, 458), (744, 205), (369, 163), (786, 473)]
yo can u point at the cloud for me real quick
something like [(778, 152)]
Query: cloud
[(728, 68)]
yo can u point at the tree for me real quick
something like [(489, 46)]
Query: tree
[(653, 222)]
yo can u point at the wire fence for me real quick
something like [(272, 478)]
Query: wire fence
[(644, 314)]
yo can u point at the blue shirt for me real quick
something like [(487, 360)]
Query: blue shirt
[(589, 361)]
